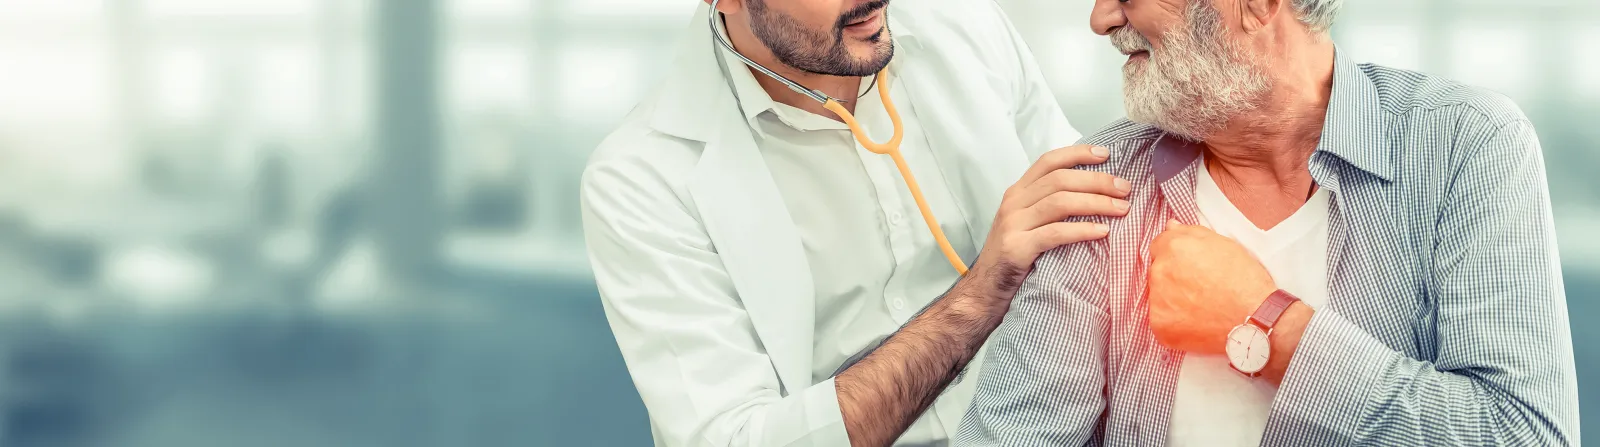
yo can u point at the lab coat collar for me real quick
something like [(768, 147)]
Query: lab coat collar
[(694, 85), (740, 206)]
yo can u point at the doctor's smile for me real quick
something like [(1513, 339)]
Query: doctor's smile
[(867, 20), (1214, 269)]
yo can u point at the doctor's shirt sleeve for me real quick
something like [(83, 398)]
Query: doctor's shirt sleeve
[(1044, 378), (686, 338)]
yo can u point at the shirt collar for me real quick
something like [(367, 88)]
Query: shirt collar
[(1353, 129), (754, 100)]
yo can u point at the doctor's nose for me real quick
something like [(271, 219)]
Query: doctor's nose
[(1107, 16)]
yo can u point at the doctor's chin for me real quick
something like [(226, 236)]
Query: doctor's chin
[(420, 223)]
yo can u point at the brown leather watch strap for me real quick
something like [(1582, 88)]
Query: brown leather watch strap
[(1267, 315)]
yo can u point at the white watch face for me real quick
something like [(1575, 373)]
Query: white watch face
[(1248, 348)]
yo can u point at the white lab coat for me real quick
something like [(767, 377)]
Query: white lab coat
[(700, 268)]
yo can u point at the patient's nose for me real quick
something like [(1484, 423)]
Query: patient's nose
[(1107, 16)]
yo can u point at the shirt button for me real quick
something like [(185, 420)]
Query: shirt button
[(897, 218), (899, 304)]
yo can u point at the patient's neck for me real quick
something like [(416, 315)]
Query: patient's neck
[(1260, 160)]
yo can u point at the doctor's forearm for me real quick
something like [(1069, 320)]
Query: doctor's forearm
[(880, 396)]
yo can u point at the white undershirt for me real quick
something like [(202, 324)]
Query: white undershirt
[(873, 262), (1216, 406)]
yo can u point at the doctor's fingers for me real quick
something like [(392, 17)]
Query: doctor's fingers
[(1071, 180), (1064, 158), (1049, 237), (1065, 204)]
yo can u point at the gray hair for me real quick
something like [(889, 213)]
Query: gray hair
[(1317, 14)]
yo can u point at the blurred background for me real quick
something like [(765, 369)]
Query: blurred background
[(355, 222)]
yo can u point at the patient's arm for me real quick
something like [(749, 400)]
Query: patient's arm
[(1043, 380), (1502, 371)]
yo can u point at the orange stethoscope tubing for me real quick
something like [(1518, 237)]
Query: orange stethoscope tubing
[(890, 148)]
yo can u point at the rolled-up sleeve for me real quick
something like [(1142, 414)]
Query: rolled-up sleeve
[(1503, 373), (1043, 381)]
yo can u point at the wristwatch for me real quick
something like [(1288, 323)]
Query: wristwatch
[(1248, 346)]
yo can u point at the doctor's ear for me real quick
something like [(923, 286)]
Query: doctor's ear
[(727, 6)]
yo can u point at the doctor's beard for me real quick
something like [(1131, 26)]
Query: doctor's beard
[(819, 52), (1196, 83)]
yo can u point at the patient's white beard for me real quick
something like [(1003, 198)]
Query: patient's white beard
[(1196, 83)]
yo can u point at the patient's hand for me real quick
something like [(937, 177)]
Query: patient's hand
[(1202, 284)]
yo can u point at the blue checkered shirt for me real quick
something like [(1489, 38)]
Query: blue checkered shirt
[(1446, 322)]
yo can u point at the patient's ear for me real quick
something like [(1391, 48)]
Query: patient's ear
[(1256, 14)]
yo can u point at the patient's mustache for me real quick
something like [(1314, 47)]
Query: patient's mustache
[(1128, 40)]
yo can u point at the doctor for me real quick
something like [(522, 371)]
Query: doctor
[(750, 253)]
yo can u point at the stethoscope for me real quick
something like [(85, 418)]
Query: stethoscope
[(890, 148)]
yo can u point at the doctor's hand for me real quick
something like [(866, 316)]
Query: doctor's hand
[(1030, 219)]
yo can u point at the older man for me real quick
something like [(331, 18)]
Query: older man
[(1383, 236)]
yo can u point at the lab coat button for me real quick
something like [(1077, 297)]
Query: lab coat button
[(899, 303), (897, 219)]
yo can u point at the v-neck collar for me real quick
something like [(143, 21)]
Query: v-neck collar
[(1222, 211)]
